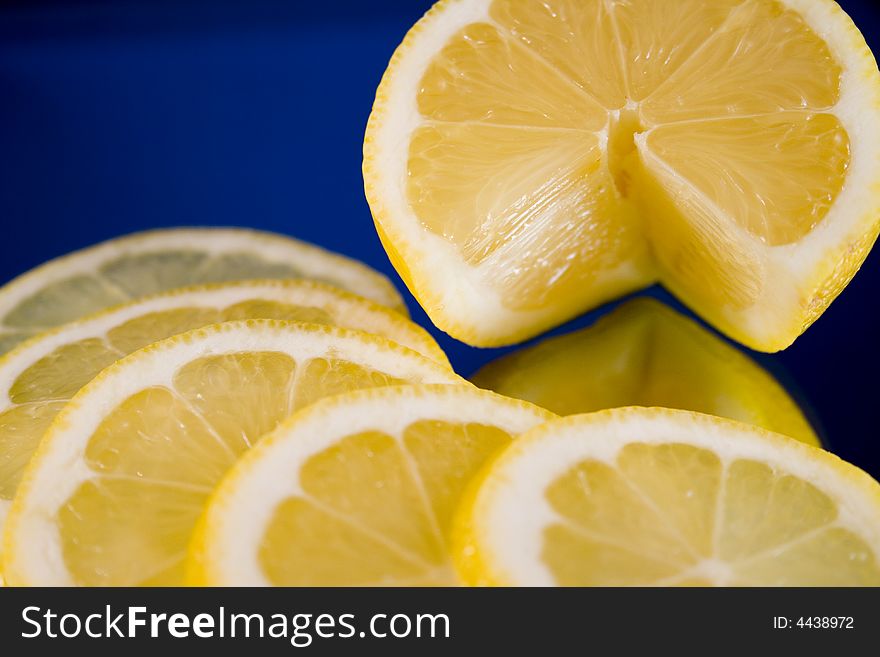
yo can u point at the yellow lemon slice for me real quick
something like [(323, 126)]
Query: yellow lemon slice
[(659, 497), (526, 161), (142, 264), (124, 470), (358, 489), (38, 377), (645, 354)]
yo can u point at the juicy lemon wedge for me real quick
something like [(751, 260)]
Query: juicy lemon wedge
[(38, 377), (142, 264), (527, 161), (358, 489), (124, 470), (659, 497), (646, 354)]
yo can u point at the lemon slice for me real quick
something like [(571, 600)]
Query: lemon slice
[(142, 264), (646, 354), (359, 489), (124, 470), (659, 497), (38, 377), (526, 161)]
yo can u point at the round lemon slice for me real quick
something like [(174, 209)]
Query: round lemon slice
[(658, 497), (527, 161), (38, 377), (124, 470), (358, 489), (142, 264), (646, 354)]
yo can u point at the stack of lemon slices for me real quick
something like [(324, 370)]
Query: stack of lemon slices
[(120, 412), (227, 407)]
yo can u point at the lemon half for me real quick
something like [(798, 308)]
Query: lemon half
[(527, 161)]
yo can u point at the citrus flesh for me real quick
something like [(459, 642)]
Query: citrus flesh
[(646, 354), (38, 377), (124, 470), (658, 497), (142, 264), (359, 489), (546, 157)]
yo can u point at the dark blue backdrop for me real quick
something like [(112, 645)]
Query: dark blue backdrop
[(122, 116)]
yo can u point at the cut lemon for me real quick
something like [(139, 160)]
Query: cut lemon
[(526, 161), (124, 470), (138, 265), (645, 354), (359, 489), (659, 497), (38, 377)]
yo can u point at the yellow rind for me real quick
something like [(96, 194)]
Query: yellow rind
[(783, 415)]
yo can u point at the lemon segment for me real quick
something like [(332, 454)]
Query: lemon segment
[(477, 78), (123, 472), (764, 57), (359, 489), (646, 354), (142, 264), (657, 37), (641, 496), (745, 166), (583, 56), (547, 157)]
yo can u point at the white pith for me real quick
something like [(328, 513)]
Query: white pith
[(245, 502), (31, 537)]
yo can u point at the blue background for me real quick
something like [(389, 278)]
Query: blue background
[(122, 116)]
